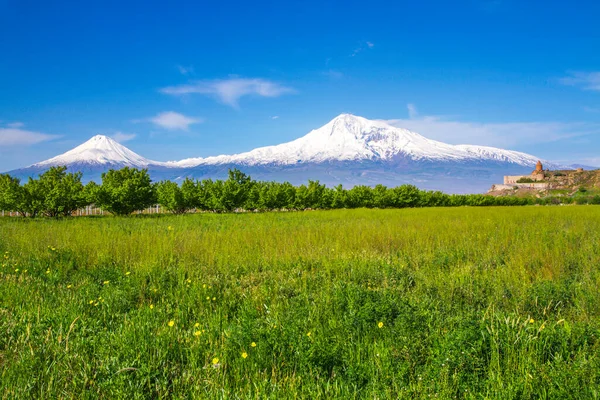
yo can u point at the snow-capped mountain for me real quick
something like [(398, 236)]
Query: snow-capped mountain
[(350, 150), (351, 138), (98, 151)]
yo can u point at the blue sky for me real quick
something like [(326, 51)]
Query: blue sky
[(173, 80)]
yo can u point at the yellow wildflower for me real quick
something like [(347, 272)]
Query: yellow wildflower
[(244, 355), (531, 321), (127, 273), (380, 325), (308, 334), (151, 306), (105, 282), (197, 333), (69, 286), (197, 324), (215, 361), (171, 323), (253, 344)]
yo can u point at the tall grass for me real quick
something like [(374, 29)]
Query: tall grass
[(415, 303)]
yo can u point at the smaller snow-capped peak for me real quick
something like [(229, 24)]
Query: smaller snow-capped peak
[(99, 150)]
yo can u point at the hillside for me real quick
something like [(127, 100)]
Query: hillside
[(573, 184)]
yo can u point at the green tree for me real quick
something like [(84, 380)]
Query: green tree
[(174, 198), (62, 192), (31, 202), (11, 192), (125, 190), (235, 190), (405, 196)]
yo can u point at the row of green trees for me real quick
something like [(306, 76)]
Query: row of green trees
[(59, 193)]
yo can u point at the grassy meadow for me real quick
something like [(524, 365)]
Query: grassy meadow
[(473, 303)]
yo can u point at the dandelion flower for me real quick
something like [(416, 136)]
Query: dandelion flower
[(215, 361), (380, 325), (16, 269), (171, 323), (197, 324), (244, 355), (105, 282), (69, 286), (253, 344), (197, 333), (214, 298), (531, 321), (151, 306), (127, 273), (91, 301), (208, 298), (308, 334)]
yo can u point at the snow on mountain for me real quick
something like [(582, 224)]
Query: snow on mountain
[(350, 150), (351, 138), (97, 152)]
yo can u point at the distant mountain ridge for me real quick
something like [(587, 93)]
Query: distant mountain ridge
[(349, 149), (351, 138)]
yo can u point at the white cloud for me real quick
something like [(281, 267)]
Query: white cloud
[(21, 137), (361, 47), (185, 70), (15, 125), (331, 73), (501, 134), (122, 137), (174, 121), (229, 91), (412, 111), (275, 117), (584, 80)]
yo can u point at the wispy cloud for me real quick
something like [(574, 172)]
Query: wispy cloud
[(502, 134), (122, 137), (412, 111), (591, 109), (333, 74), (362, 47), (174, 121), (20, 137), (275, 117), (183, 70), (584, 80), (230, 91), (15, 125)]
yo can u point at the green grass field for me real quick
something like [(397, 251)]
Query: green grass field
[(500, 303)]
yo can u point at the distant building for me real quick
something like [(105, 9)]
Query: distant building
[(538, 174)]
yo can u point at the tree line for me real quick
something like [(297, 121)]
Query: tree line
[(57, 192)]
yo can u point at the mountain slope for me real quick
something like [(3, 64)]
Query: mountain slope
[(351, 138), (350, 150), (98, 151)]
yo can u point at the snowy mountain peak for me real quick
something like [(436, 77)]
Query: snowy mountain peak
[(349, 137), (99, 150)]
